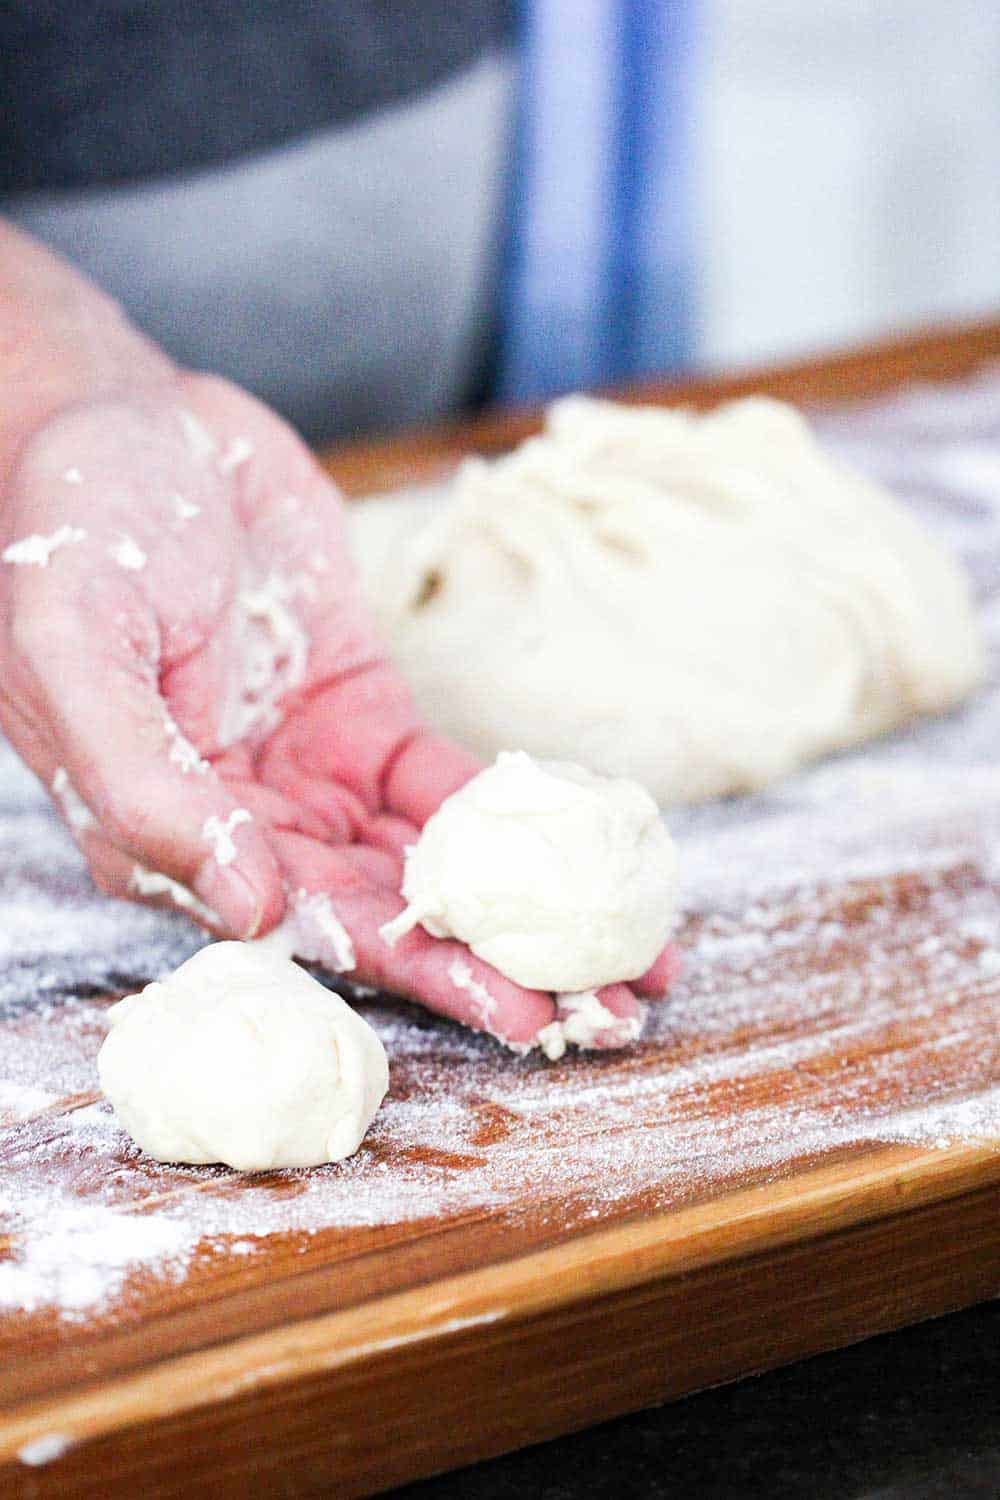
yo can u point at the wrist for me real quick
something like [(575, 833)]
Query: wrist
[(62, 341)]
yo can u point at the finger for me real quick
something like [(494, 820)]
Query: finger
[(444, 976), (361, 731), (342, 813), (348, 732), (118, 875), (394, 835), (168, 817), (620, 1000), (661, 975), (270, 809), (308, 863), (428, 769)]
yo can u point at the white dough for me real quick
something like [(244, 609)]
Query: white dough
[(580, 1021), (560, 879), (241, 1057), (699, 602)]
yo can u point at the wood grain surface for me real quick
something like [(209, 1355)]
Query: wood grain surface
[(342, 1360)]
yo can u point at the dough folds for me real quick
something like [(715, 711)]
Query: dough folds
[(242, 1057), (701, 603)]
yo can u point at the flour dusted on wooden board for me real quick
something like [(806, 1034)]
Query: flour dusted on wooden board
[(841, 986)]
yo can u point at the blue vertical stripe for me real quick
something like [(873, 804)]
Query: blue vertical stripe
[(564, 173), (599, 275), (658, 303)]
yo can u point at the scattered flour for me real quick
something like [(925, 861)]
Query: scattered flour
[(313, 932), (152, 883), (461, 977), (219, 833), (72, 476), (20, 1101), (581, 1019), (129, 555), (239, 450), (84, 1254), (35, 550), (840, 988), (76, 812), (46, 1449), (273, 648), (201, 443), (184, 510), (182, 752)]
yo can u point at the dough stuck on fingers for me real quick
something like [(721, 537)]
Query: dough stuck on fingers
[(562, 880), (242, 1057)]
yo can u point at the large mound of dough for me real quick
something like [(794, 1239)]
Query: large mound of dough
[(699, 602)]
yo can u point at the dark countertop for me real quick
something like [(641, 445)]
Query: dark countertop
[(913, 1415)]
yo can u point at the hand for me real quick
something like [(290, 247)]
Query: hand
[(196, 676)]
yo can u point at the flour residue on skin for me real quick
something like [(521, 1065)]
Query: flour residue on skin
[(35, 550), (181, 752), (335, 947), (462, 978), (72, 476), (127, 553), (201, 443), (312, 931), (76, 812), (237, 453), (152, 883), (272, 649), (581, 1019), (184, 510), (410, 917), (218, 832)]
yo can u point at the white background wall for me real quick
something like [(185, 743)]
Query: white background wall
[(849, 170)]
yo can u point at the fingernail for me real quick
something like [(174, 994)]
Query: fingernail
[(230, 893)]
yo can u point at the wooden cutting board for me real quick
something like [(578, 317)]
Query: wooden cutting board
[(802, 1153)]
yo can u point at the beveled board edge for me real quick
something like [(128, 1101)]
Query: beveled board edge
[(810, 1207)]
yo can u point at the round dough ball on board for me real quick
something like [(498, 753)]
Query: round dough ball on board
[(242, 1057), (561, 879)]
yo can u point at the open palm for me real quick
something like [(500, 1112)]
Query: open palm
[(195, 673)]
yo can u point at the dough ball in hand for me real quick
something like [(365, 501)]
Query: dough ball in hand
[(561, 879), (242, 1057)]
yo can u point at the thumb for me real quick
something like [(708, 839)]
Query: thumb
[(151, 795)]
